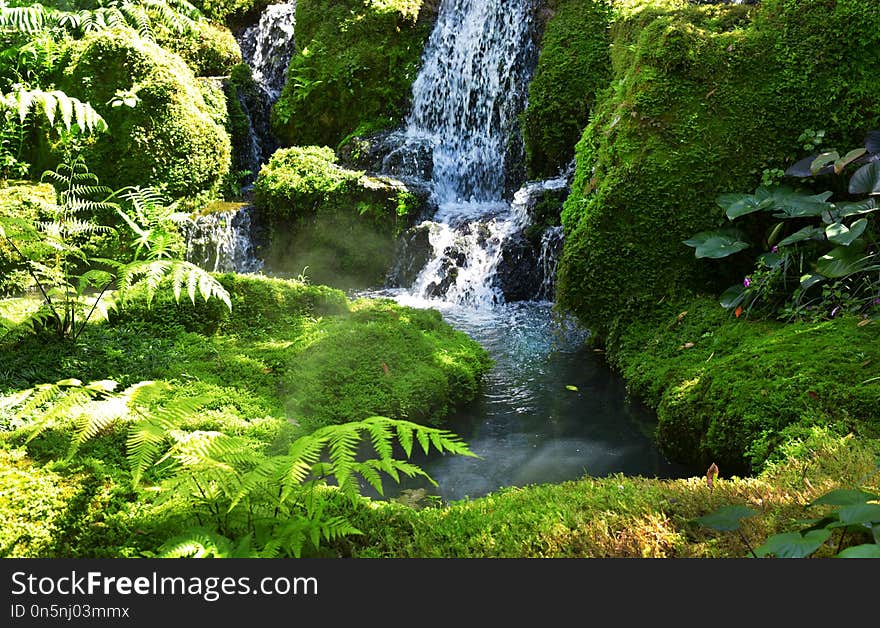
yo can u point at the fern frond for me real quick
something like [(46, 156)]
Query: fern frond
[(93, 418), (197, 543), (30, 19)]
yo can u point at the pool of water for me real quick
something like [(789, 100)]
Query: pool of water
[(551, 409)]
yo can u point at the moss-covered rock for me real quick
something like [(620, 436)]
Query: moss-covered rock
[(733, 391), (702, 99), (339, 223), (209, 50), (354, 68), (574, 63), (385, 360), (170, 139)]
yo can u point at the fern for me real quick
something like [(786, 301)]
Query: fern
[(198, 543), (275, 505), (143, 17), (72, 110)]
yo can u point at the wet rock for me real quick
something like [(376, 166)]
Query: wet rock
[(413, 252), (519, 275)]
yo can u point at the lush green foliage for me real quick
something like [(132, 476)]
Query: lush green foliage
[(169, 140), (54, 252), (856, 512), (575, 63), (821, 258), (27, 202), (246, 501), (226, 418), (68, 115), (702, 100), (353, 71), (337, 222), (144, 16)]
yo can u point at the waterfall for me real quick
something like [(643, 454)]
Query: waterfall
[(466, 99), (469, 92), (268, 45), (222, 242)]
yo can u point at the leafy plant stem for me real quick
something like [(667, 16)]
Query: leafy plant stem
[(748, 545), (92, 311)]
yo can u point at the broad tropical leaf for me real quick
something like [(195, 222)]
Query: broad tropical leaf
[(793, 544), (717, 244)]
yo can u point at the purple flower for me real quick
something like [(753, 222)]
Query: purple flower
[(876, 301), (775, 249), (835, 311), (747, 282)]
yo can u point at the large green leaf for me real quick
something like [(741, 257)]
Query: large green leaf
[(726, 518), (796, 204), (866, 179), (736, 205), (868, 550), (793, 544), (859, 514), (717, 244), (807, 233), (733, 296), (839, 233), (844, 497), (853, 208), (841, 261), (808, 281)]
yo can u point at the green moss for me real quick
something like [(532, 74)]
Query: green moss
[(337, 222), (209, 51), (170, 139), (353, 70), (385, 360), (702, 98), (734, 391), (573, 65)]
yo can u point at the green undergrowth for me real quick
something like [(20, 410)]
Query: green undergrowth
[(617, 516), (339, 223), (171, 139), (735, 391), (287, 359), (353, 71)]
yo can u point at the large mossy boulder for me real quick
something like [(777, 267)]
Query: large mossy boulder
[(354, 68), (703, 100), (171, 139), (339, 223)]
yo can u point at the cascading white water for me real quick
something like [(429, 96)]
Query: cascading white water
[(466, 100), (469, 92), (221, 242), (268, 45)]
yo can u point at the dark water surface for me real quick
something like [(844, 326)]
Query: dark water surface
[(551, 409)]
